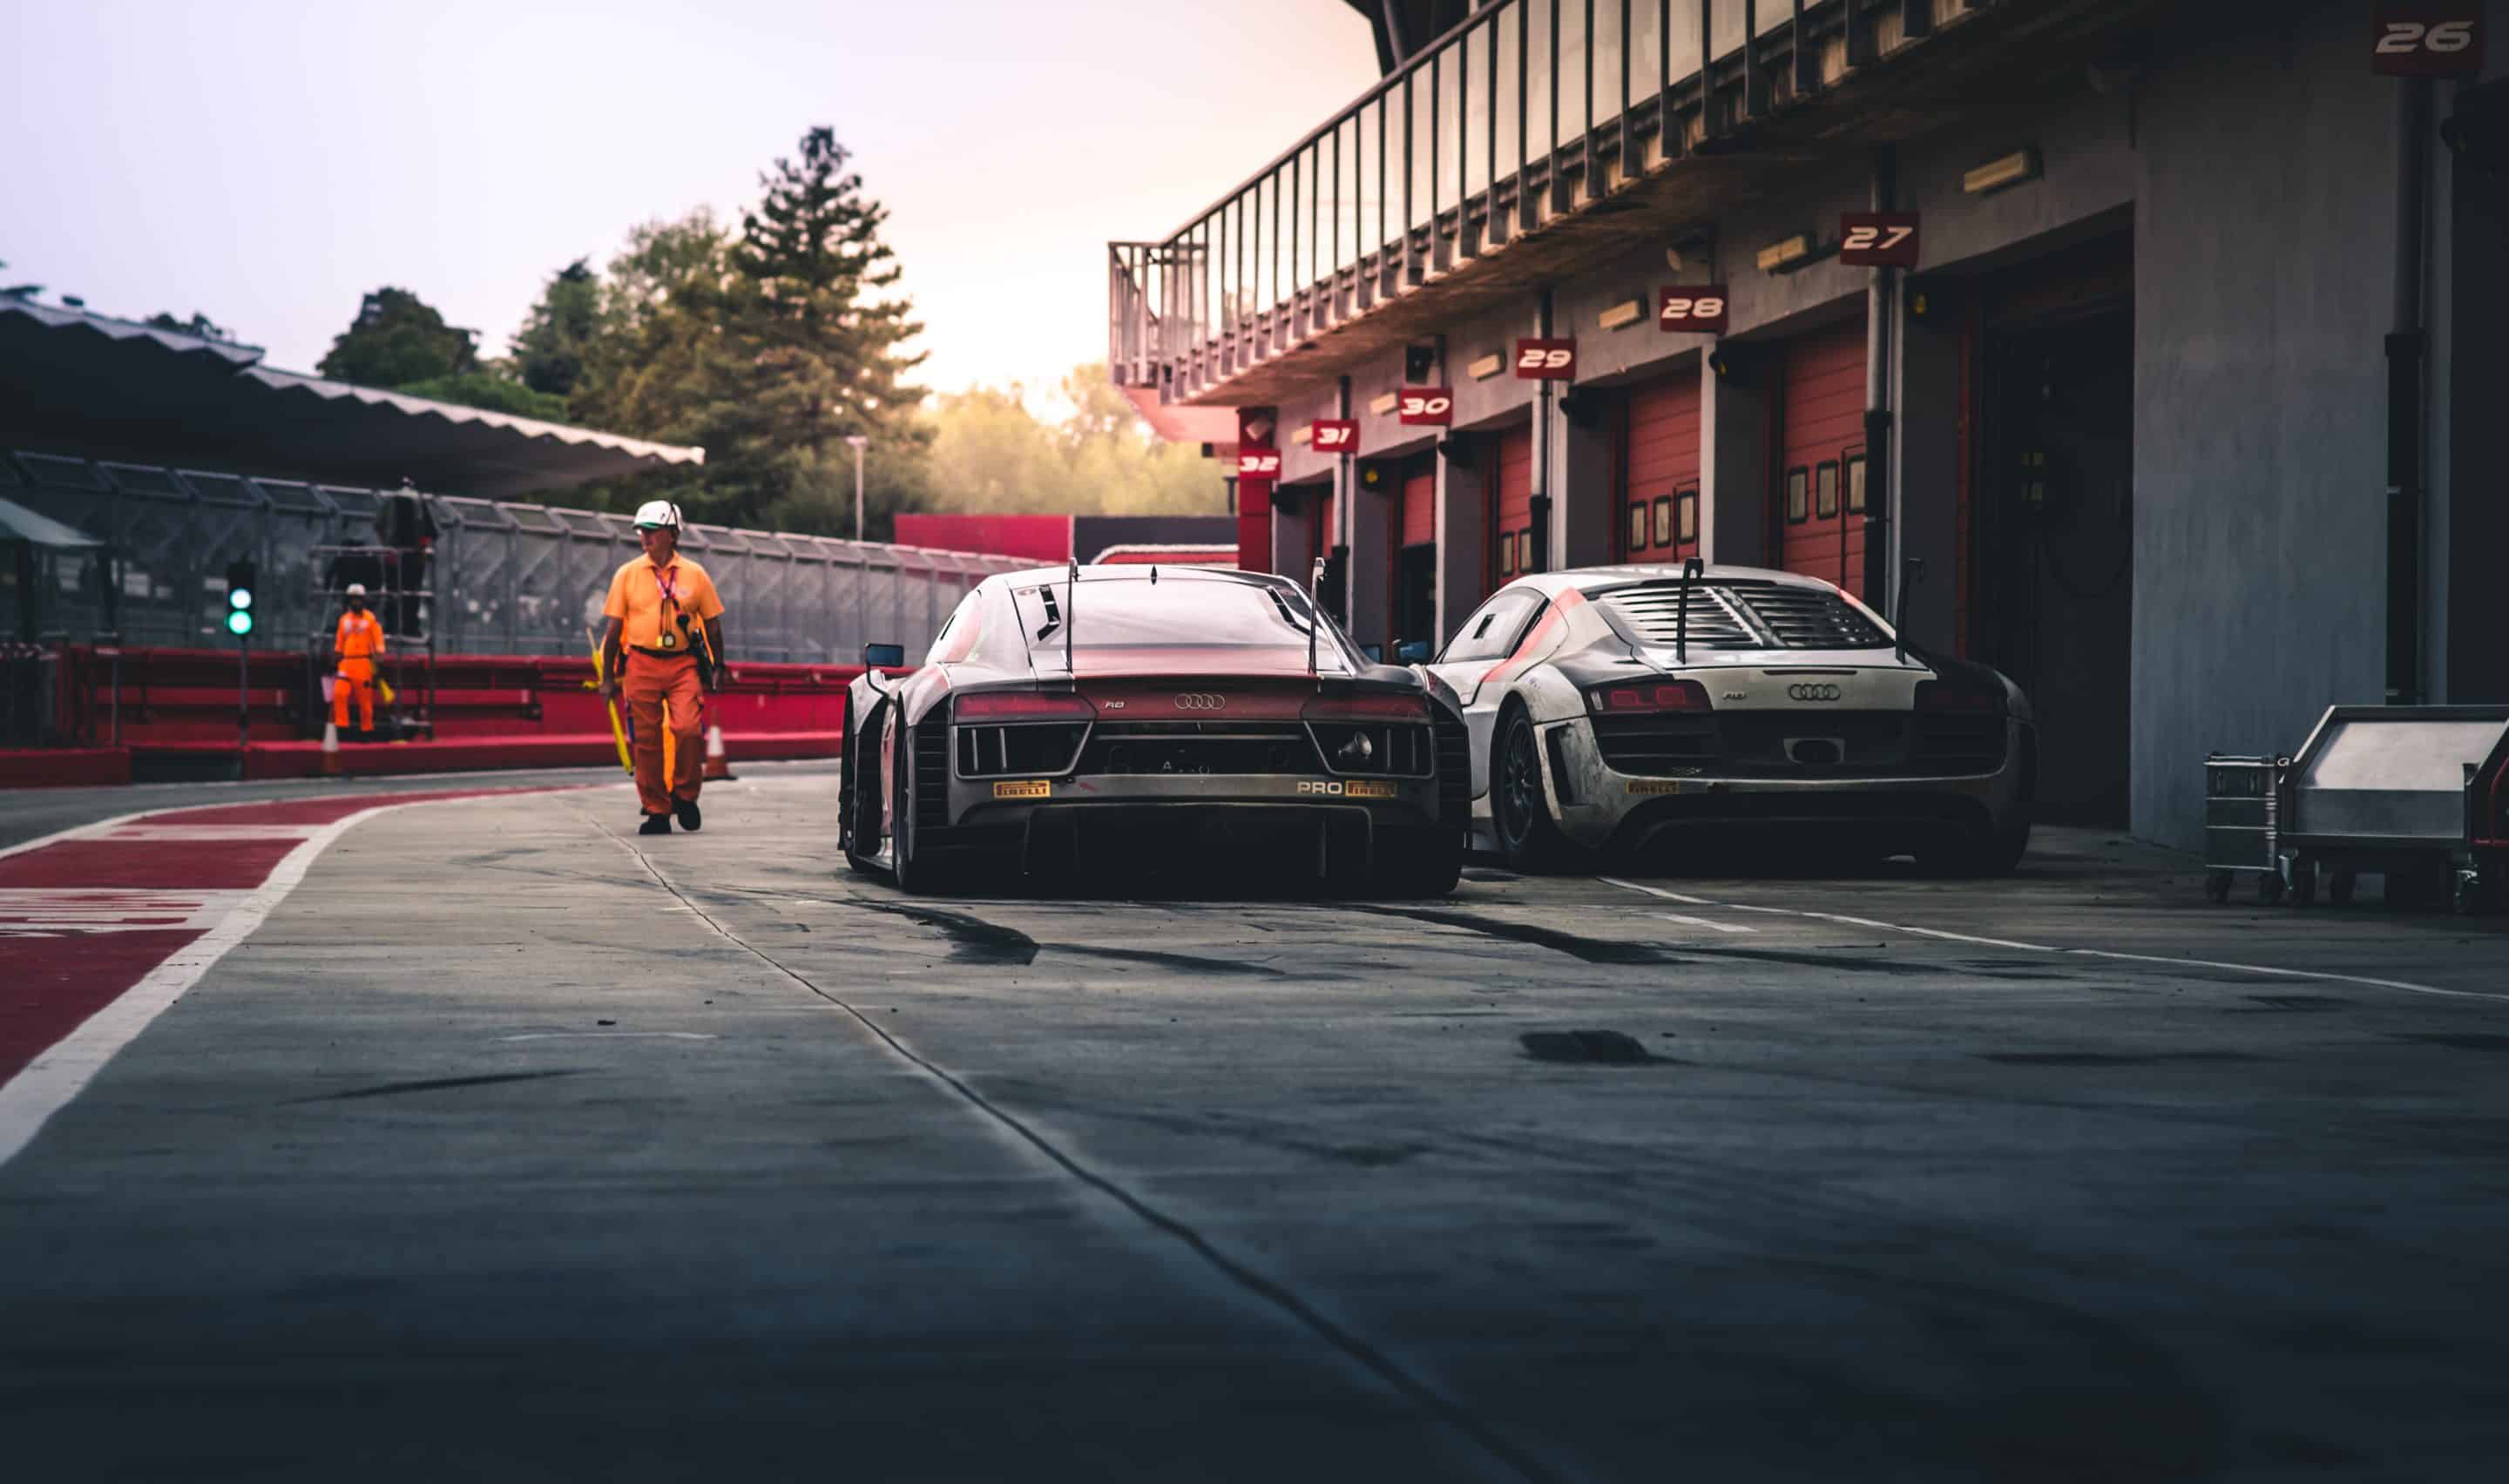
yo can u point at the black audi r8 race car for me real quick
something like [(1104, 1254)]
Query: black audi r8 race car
[(1131, 719)]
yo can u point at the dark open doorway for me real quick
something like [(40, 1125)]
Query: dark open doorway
[(2055, 552)]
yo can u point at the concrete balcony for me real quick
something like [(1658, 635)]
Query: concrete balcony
[(1540, 139)]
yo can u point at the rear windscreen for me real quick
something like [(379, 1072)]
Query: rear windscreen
[(1742, 615), (1174, 615)]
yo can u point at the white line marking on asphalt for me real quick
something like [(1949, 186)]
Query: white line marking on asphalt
[(144, 832), (2043, 947), (58, 836), (612, 1035), (45, 912), (46, 1085), (1721, 927)]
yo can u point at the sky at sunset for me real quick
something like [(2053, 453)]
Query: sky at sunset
[(268, 161)]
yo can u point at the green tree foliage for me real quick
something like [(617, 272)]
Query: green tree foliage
[(558, 333), (400, 343), (198, 324), (768, 348), (491, 387), (397, 339), (990, 454), (661, 321)]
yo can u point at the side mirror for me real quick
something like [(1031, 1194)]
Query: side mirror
[(1411, 651), (883, 656)]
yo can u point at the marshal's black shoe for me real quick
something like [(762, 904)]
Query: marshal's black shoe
[(655, 824), (690, 819)]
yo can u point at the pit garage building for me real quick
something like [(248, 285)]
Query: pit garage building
[(2187, 397)]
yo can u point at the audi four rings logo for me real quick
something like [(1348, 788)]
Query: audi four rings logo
[(1200, 700), (1813, 692)]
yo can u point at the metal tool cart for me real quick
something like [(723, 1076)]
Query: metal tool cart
[(2413, 792), (2240, 808)]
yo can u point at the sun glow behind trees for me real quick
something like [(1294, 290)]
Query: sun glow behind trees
[(768, 345)]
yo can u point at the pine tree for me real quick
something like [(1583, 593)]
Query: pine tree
[(814, 332)]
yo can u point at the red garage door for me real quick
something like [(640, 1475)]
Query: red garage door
[(1819, 497), (1420, 501), (1660, 471), (1411, 591), (1512, 539)]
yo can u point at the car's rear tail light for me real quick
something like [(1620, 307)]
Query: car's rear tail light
[(1635, 697), (1023, 706), (1960, 698), (1367, 708)]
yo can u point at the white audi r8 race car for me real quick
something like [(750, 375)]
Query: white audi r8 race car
[(1131, 719), (1636, 706)]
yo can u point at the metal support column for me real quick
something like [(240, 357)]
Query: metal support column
[(1537, 505), (1881, 491)]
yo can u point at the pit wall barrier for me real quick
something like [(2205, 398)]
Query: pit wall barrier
[(177, 716)]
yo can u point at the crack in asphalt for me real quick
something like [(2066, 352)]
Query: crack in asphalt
[(1594, 951), (433, 1085), (1354, 1348)]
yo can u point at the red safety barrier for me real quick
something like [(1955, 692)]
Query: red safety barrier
[(489, 711)]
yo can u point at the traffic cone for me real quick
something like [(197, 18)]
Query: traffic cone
[(330, 746), (718, 763)]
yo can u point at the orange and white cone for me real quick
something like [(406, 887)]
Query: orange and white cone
[(330, 746), (718, 763)]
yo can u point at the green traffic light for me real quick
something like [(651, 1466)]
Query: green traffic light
[(239, 598), (240, 623)]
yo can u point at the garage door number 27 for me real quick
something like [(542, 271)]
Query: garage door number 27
[(1876, 238)]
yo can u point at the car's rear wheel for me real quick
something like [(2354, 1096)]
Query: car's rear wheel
[(1528, 837), (912, 873), (853, 833)]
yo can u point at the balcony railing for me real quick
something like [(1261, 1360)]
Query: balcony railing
[(1526, 112)]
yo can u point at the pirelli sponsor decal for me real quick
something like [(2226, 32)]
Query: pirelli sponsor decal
[(1347, 787), (1024, 787), (1654, 785)]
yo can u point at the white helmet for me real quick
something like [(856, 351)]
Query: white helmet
[(356, 589), (657, 513)]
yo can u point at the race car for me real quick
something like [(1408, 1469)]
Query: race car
[(1136, 717), (1635, 706)]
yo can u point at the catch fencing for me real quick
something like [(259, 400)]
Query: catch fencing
[(507, 577)]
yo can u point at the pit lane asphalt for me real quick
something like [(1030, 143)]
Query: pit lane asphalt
[(515, 1146)]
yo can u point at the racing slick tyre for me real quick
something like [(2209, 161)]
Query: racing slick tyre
[(911, 875), (1528, 838), (851, 795)]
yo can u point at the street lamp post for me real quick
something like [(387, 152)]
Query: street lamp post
[(860, 443)]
